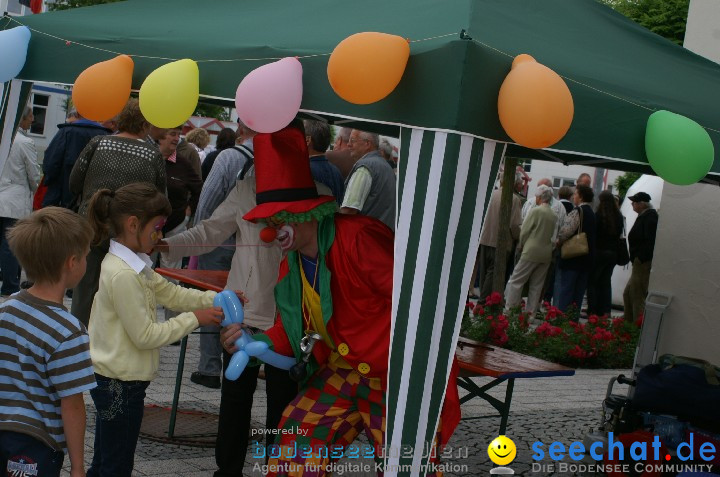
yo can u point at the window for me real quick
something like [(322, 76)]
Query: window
[(39, 106), (14, 7), (558, 182)]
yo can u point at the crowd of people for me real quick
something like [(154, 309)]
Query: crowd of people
[(123, 197), (540, 270)]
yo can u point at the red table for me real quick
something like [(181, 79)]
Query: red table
[(204, 279), (482, 359)]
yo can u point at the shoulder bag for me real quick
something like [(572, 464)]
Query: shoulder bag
[(577, 245)]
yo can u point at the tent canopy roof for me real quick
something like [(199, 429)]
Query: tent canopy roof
[(618, 72)]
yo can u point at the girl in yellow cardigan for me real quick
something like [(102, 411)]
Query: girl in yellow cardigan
[(124, 333)]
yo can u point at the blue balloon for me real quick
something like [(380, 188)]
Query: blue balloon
[(13, 51), (247, 346)]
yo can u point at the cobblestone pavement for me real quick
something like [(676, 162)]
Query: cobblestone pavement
[(548, 409)]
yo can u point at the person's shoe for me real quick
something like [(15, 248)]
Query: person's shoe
[(205, 380)]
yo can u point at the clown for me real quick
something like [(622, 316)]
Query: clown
[(334, 299)]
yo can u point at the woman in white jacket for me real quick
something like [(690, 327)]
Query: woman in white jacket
[(18, 181)]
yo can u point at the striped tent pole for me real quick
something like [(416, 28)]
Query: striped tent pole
[(444, 184)]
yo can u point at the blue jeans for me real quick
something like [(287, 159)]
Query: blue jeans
[(8, 263), (119, 406), (570, 286), (21, 454), (210, 348)]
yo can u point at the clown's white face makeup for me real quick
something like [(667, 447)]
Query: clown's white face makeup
[(286, 237)]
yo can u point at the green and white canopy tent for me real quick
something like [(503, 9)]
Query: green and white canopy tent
[(444, 110)]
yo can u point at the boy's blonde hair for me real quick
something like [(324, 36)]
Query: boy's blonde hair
[(44, 240)]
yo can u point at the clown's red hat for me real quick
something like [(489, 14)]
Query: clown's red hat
[(282, 174)]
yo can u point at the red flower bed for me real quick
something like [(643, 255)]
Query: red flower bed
[(602, 342)]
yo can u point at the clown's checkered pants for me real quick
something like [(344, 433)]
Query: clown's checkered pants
[(325, 418)]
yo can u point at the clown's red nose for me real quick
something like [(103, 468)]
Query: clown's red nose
[(268, 234)]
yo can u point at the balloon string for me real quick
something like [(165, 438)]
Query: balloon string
[(221, 60), (14, 19), (265, 245), (583, 84)]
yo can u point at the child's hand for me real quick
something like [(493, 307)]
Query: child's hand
[(229, 335), (241, 296), (209, 316)]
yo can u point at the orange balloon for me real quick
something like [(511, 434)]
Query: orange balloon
[(535, 105), (103, 89), (366, 67)]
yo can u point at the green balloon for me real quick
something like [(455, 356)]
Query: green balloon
[(678, 149)]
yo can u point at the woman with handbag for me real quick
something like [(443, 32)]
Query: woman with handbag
[(577, 251), (609, 228), (110, 162)]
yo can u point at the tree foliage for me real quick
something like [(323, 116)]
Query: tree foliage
[(207, 110), (68, 4), (667, 18), (623, 183)]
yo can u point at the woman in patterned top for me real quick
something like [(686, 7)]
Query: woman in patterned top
[(110, 162)]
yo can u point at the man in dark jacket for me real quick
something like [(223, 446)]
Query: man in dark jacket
[(60, 157), (641, 242)]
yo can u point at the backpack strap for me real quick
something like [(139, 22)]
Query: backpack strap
[(250, 160)]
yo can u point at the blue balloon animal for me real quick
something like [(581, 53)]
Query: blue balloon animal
[(247, 346)]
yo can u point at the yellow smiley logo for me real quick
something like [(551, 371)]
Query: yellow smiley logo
[(502, 450)]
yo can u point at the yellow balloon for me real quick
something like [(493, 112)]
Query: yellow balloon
[(366, 67), (169, 95)]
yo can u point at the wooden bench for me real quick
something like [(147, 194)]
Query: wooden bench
[(481, 359), (475, 359)]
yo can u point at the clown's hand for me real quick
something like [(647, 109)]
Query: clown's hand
[(229, 335)]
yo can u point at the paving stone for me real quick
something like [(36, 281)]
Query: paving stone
[(546, 409)]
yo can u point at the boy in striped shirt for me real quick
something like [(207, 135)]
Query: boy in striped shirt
[(44, 352)]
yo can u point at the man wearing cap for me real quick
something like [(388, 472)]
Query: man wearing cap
[(334, 298), (641, 242)]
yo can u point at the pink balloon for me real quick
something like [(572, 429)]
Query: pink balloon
[(269, 97)]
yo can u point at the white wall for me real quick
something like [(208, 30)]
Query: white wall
[(686, 263), (703, 29)]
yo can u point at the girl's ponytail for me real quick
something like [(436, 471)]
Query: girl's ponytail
[(99, 214), (108, 208)]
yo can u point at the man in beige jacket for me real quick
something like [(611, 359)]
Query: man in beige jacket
[(536, 245), (485, 264)]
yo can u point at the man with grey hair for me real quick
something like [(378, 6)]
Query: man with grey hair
[(386, 151), (536, 245), (560, 211), (340, 154), (370, 187), (485, 263), (18, 181)]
